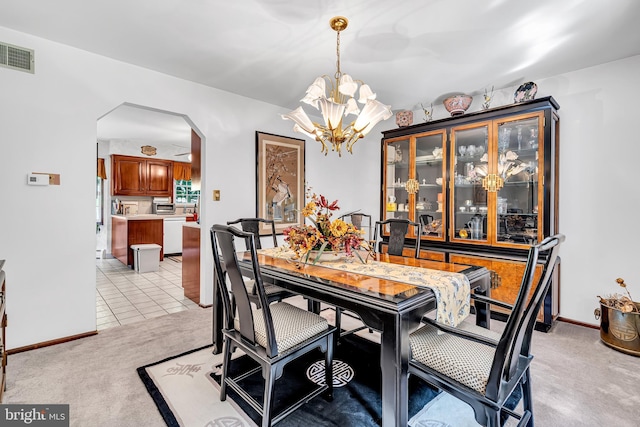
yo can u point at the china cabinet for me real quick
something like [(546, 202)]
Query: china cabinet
[(483, 185)]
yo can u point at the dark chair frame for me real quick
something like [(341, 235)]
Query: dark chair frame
[(398, 228), (356, 219), (252, 225), (271, 361), (512, 357)]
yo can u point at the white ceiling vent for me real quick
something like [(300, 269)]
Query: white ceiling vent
[(16, 58)]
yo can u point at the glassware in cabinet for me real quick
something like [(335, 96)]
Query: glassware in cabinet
[(519, 164), (469, 201), (396, 177), (430, 173)]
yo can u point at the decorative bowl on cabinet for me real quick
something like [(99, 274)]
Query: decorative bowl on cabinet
[(457, 104)]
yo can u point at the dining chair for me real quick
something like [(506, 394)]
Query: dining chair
[(484, 368), (398, 228), (357, 219), (272, 335), (252, 225)]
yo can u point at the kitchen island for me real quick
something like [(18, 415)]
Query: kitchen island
[(134, 230)]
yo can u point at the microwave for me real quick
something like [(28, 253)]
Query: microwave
[(164, 208)]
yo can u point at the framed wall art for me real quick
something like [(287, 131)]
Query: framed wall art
[(280, 180)]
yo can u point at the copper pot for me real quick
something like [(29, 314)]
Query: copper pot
[(619, 330)]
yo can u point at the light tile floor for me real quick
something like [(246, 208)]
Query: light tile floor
[(125, 296)]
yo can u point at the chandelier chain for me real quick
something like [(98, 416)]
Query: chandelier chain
[(338, 72)]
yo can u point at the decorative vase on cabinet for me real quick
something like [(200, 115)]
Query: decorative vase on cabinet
[(498, 188)]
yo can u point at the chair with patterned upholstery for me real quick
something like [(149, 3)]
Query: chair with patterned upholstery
[(272, 335), (398, 229), (484, 368)]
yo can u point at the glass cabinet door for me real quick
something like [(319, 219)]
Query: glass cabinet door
[(397, 154), (430, 172), (519, 165), (469, 204)]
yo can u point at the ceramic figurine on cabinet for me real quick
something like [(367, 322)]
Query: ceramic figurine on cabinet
[(404, 118), (428, 114), (487, 99)]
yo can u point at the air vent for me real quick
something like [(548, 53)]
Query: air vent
[(16, 58)]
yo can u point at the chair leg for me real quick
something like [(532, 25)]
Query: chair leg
[(226, 359), (527, 397), (338, 319), (328, 367), (267, 405)]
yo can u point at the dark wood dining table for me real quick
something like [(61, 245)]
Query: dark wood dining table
[(393, 308)]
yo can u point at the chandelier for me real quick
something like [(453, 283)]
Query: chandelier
[(339, 103)]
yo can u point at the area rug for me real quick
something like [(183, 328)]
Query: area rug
[(186, 391)]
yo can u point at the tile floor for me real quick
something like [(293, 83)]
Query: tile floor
[(125, 296)]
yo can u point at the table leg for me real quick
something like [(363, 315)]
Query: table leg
[(394, 364), (483, 310)]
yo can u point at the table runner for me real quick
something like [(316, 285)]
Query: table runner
[(452, 290)]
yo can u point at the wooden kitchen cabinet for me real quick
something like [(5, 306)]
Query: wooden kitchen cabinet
[(126, 232), (137, 176), (191, 262)]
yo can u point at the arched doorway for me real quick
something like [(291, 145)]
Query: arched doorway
[(139, 132)]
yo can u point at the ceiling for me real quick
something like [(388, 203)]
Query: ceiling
[(409, 52)]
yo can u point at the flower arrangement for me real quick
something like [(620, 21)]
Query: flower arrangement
[(624, 303), (324, 234)]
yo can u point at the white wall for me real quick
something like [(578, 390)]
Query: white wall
[(47, 234)]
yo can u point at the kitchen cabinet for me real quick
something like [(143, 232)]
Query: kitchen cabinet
[(191, 261), (137, 176), (483, 185), (134, 231), (3, 326)]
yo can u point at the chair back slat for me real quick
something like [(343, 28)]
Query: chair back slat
[(398, 228), (252, 225), (224, 236), (516, 336), (357, 220)]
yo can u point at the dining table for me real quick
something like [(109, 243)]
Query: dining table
[(393, 306)]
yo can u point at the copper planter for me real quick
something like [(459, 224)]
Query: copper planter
[(619, 330)]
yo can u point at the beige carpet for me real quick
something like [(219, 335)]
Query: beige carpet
[(577, 381)]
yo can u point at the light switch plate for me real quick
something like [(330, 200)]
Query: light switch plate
[(216, 195)]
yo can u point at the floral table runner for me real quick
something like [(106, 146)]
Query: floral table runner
[(452, 290)]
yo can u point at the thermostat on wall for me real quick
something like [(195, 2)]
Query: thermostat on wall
[(37, 179)]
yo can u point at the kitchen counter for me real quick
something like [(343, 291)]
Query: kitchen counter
[(135, 230), (151, 216)]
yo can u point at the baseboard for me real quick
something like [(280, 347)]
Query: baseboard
[(52, 342), (575, 322)]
